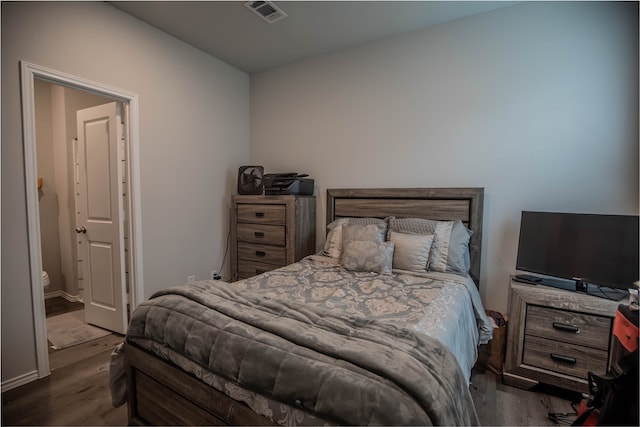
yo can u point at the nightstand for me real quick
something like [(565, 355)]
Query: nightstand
[(268, 232), (556, 337)]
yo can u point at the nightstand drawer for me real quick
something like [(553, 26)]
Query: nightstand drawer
[(267, 254), (564, 358), (568, 326), (251, 268), (262, 214), (260, 233)]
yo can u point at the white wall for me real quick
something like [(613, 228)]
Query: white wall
[(536, 102), (48, 194), (194, 133)]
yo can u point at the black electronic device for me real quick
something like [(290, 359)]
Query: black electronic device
[(595, 254), (528, 278), (250, 180), (288, 183)]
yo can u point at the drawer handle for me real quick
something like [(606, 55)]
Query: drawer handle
[(561, 358), (259, 214), (260, 253), (566, 328), (259, 234)]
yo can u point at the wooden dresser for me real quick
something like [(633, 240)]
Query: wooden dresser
[(556, 337), (268, 232)]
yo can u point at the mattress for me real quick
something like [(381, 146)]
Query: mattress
[(312, 343)]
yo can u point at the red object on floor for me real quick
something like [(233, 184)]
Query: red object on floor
[(625, 331), (591, 419)]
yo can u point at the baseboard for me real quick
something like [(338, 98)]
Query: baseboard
[(53, 294), (63, 294), (19, 381)]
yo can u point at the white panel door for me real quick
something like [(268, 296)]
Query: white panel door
[(100, 216)]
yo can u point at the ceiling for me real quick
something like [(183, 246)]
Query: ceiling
[(232, 33)]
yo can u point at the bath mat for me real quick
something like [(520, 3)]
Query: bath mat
[(69, 329)]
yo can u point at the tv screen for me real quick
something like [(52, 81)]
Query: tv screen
[(598, 249)]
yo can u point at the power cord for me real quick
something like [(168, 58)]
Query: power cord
[(564, 418), (610, 293), (224, 257)]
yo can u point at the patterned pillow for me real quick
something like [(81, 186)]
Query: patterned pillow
[(333, 243), (368, 232), (362, 255), (450, 247), (411, 251)]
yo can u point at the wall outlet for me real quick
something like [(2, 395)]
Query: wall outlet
[(191, 279), (215, 275)]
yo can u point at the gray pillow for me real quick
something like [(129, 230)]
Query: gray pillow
[(362, 255), (451, 249), (412, 225), (450, 246), (411, 251)]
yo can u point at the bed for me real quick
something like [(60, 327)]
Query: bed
[(338, 338)]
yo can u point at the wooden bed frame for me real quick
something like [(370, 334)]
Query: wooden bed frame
[(159, 393)]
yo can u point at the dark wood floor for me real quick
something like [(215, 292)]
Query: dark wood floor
[(59, 305), (77, 393), (498, 404)]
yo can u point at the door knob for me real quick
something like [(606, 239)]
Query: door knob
[(81, 230)]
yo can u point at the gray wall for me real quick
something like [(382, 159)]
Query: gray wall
[(194, 133), (536, 102), (48, 194)]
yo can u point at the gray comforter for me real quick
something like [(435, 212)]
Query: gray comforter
[(348, 371)]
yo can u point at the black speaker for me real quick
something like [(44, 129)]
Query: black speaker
[(251, 180)]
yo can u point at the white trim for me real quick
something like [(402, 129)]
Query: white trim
[(29, 72), (136, 293), (33, 222), (54, 294), (20, 381), (63, 294)]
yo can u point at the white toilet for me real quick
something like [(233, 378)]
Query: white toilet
[(45, 279)]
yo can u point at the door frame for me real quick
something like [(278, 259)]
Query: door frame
[(29, 72)]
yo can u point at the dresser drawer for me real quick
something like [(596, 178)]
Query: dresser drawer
[(261, 233), (562, 357), (270, 231), (568, 326), (267, 254), (248, 269), (262, 214)]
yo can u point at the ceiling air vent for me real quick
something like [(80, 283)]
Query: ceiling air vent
[(266, 10)]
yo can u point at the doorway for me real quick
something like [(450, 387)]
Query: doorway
[(62, 190), (57, 180), (29, 74)]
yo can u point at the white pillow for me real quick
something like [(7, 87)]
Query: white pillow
[(411, 251)]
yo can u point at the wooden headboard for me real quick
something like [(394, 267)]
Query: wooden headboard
[(465, 204)]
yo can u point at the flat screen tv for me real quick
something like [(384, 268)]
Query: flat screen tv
[(598, 253)]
